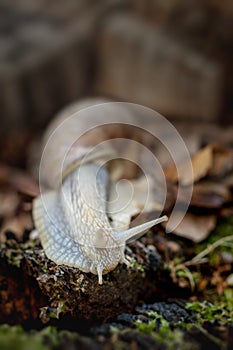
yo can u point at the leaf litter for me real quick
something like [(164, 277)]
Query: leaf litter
[(211, 205)]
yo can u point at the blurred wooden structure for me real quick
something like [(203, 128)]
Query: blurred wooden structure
[(174, 56)]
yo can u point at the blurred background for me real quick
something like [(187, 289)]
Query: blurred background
[(175, 56)]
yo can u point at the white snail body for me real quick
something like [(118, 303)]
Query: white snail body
[(71, 216)]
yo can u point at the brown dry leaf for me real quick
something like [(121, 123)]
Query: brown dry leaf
[(196, 228), (222, 161), (170, 173), (203, 284), (213, 187), (19, 180), (207, 194), (213, 160), (201, 164), (23, 183), (9, 201), (228, 180)]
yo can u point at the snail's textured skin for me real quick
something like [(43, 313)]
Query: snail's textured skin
[(73, 229), (72, 218)]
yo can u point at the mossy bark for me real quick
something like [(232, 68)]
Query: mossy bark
[(33, 287)]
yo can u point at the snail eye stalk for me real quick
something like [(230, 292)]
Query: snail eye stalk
[(134, 232)]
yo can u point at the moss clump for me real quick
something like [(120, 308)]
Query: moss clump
[(146, 328), (220, 312), (180, 333), (15, 338), (139, 267), (162, 332), (14, 256)]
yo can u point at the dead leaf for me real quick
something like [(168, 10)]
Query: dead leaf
[(19, 180), (213, 160), (9, 201), (203, 284), (228, 180), (222, 161), (201, 164), (207, 194), (193, 227), (210, 194)]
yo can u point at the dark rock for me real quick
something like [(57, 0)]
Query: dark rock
[(171, 311)]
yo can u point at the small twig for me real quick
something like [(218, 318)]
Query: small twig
[(190, 277), (198, 259), (228, 244), (192, 263), (175, 269), (210, 248)]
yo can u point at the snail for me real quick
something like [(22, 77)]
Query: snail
[(71, 213)]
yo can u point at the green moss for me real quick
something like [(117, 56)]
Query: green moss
[(147, 328), (139, 267), (220, 311), (14, 257), (159, 328), (15, 338), (223, 229), (14, 251), (173, 336)]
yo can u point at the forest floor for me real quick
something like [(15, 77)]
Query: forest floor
[(177, 293)]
